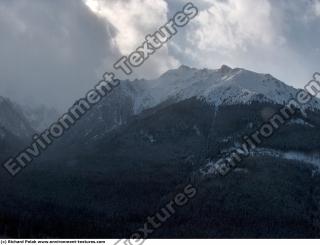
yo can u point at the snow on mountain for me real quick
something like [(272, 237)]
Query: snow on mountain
[(224, 86), (221, 86), (312, 158)]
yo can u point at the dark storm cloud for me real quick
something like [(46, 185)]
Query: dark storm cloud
[(50, 50)]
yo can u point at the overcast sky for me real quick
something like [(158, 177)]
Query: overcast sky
[(51, 52)]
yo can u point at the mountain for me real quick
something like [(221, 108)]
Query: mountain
[(132, 153), (132, 172), (15, 129), (40, 117), (12, 118), (218, 87), (223, 86)]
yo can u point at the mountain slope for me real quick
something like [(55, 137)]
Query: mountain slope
[(40, 117), (15, 130), (221, 86), (12, 119), (136, 169), (224, 86), (145, 142)]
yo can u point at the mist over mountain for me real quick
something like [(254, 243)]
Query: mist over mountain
[(40, 117), (12, 118)]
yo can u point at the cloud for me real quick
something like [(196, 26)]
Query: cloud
[(317, 8), (262, 35), (132, 21), (227, 26), (50, 50)]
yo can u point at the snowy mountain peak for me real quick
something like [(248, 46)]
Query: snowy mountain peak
[(182, 72), (225, 69), (225, 85), (184, 68)]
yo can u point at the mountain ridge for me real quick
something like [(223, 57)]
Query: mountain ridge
[(225, 85)]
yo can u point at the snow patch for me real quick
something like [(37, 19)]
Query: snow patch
[(300, 121), (197, 130), (311, 158)]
